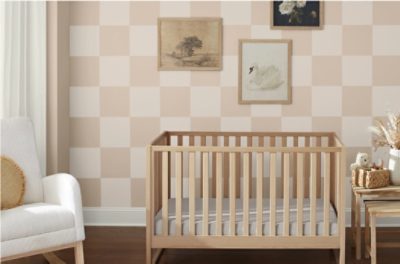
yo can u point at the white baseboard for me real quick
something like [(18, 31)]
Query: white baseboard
[(136, 216)]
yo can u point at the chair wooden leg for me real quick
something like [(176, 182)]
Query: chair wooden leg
[(52, 258), (79, 259)]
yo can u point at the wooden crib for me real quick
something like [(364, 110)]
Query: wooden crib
[(242, 190)]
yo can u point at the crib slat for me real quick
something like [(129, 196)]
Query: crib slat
[(214, 167), (237, 143), (259, 202), (286, 193), (202, 143), (250, 144), (294, 164), (272, 193), (165, 193), (178, 190), (281, 187), (313, 194), (318, 144), (192, 192), (205, 193), (246, 193), (300, 193), (306, 168), (326, 192), (226, 168), (219, 194), (232, 193)]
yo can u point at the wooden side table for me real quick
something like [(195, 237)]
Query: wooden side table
[(360, 194)]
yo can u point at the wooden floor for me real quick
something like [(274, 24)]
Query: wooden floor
[(127, 245)]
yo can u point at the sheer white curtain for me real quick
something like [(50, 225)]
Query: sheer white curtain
[(23, 65)]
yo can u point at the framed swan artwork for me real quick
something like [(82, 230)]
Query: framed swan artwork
[(265, 71)]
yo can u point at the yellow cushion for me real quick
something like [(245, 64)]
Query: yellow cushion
[(12, 181)]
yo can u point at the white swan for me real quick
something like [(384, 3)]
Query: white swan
[(264, 77)]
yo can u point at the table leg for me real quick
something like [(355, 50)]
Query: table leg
[(373, 239), (353, 217), (358, 225), (366, 232)]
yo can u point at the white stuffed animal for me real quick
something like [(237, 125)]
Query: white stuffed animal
[(362, 162)]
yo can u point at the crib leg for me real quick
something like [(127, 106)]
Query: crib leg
[(148, 255)]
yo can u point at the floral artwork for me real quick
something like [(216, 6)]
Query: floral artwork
[(290, 14), (388, 135), (264, 72), (189, 44)]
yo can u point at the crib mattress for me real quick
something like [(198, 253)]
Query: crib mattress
[(252, 217)]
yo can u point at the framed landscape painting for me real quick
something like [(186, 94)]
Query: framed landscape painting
[(265, 71), (296, 14), (190, 44)]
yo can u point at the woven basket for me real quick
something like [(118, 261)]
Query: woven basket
[(370, 178)]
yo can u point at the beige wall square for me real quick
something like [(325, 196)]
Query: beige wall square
[(84, 162), (386, 12), (175, 78), (229, 72), (301, 104), (114, 101), (175, 101), (115, 132), (301, 70), (301, 41), (327, 41), (296, 124), (355, 131), (357, 100), (84, 13), (385, 98), (205, 9), (145, 101), (326, 70), (115, 163), (84, 71), (144, 71), (138, 162), (84, 132), (116, 192), (138, 192), (143, 40), (84, 101), (260, 12), (264, 124), (327, 123), (230, 13), (235, 124), (175, 123), (386, 40), (174, 9), (205, 78), (144, 130), (114, 71), (333, 12), (265, 32), (357, 40), (386, 70), (114, 40), (266, 110), (83, 40), (144, 12), (327, 101), (91, 192), (357, 70), (229, 103), (357, 12), (205, 124), (205, 101), (114, 13), (232, 34)]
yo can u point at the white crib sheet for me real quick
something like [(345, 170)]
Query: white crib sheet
[(252, 217)]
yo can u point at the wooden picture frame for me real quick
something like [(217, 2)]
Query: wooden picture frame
[(281, 21), (190, 44), (265, 71)]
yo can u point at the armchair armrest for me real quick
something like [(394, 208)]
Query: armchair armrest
[(63, 189)]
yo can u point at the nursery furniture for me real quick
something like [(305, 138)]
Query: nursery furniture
[(360, 194), (374, 210), (245, 190), (51, 217)]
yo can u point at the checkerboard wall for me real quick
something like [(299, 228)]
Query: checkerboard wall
[(343, 77)]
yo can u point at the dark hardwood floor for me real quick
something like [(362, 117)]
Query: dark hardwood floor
[(127, 245)]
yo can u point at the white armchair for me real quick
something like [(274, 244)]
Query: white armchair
[(51, 216)]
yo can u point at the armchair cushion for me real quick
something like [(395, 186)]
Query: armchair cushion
[(12, 183)]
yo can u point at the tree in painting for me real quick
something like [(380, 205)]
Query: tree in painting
[(188, 44)]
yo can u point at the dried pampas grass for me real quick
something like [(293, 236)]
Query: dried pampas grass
[(388, 135)]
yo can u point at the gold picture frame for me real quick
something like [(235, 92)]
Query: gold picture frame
[(190, 44)]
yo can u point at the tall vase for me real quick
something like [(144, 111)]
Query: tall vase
[(394, 166)]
